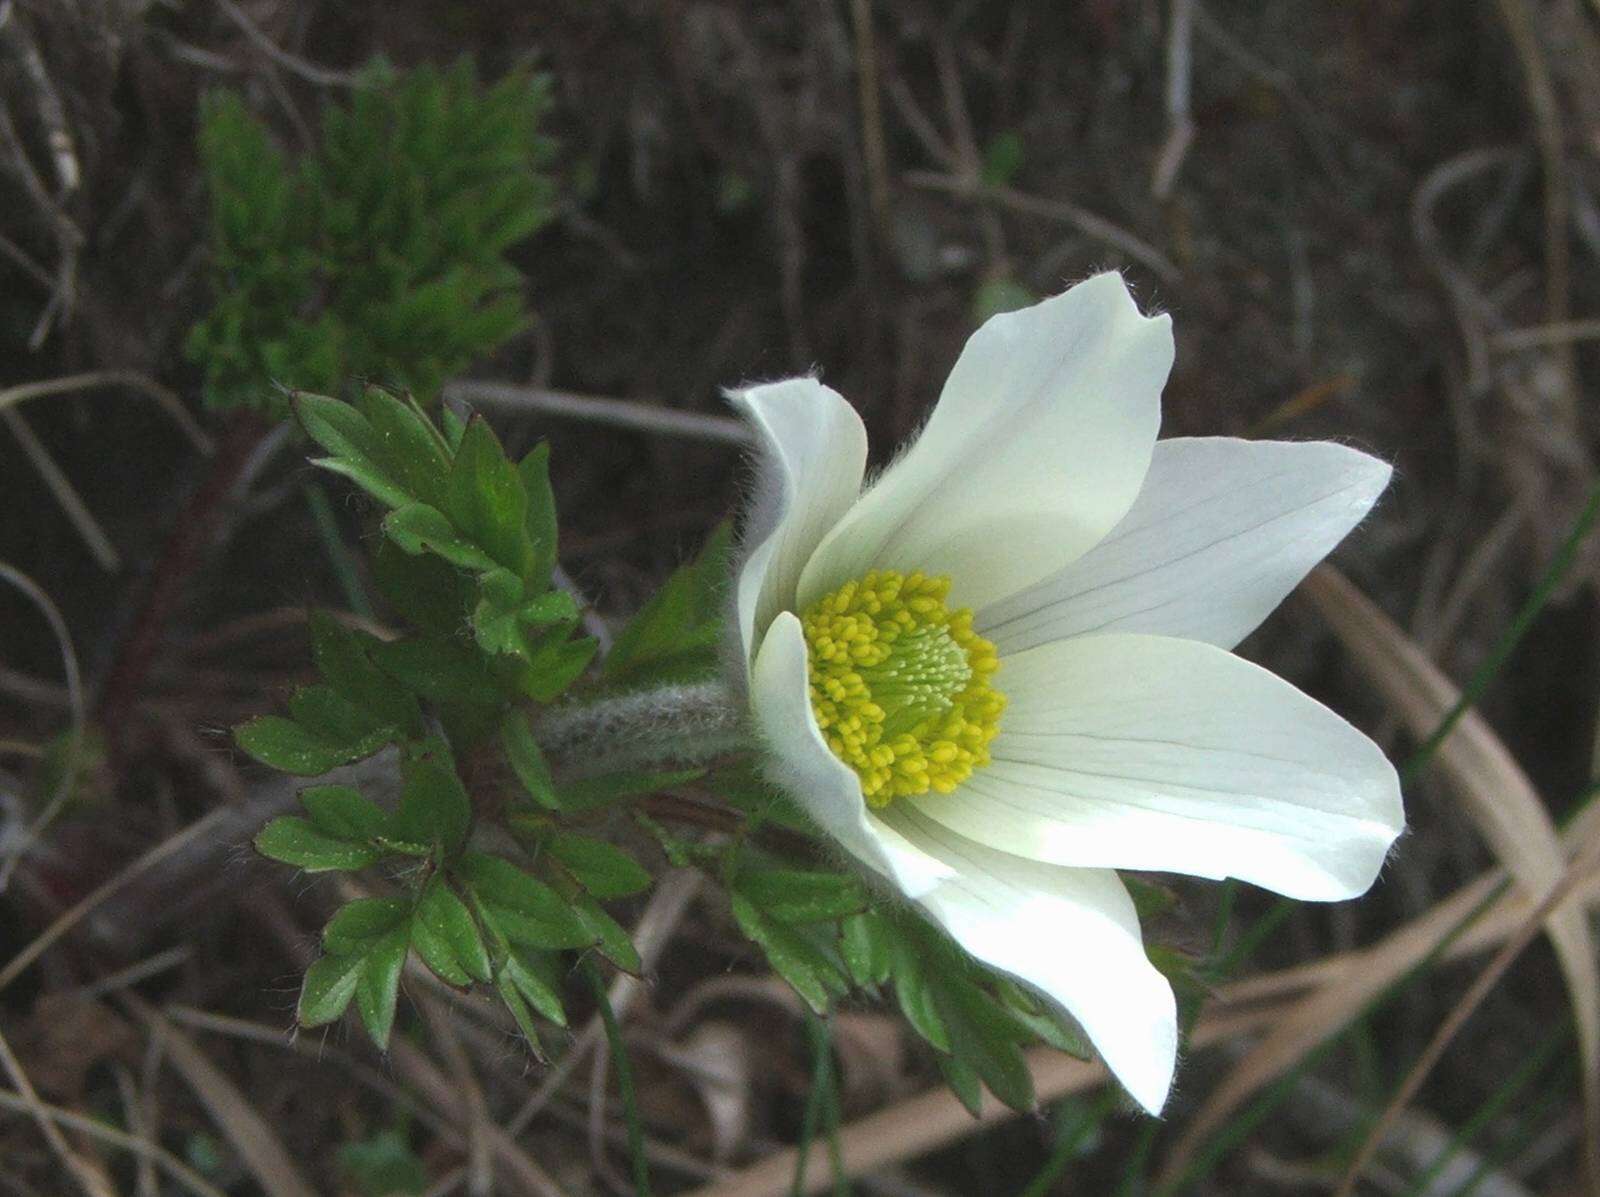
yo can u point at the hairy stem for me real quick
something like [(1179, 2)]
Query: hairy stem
[(642, 729)]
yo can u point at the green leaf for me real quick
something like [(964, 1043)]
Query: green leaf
[(506, 629), (527, 761), (520, 1014), (345, 432), (613, 941), (792, 956), (429, 592), (964, 1083), (914, 990), (359, 925), (866, 948), (605, 871), (555, 664), (677, 634), (329, 985), (378, 989), (591, 793), (287, 746), (982, 1036), (296, 842), (521, 908), (532, 973), (1040, 1020), (797, 896), (412, 450), (442, 669), (446, 936), (434, 807), (342, 811), (420, 528), (325, 713), (486, 500), (541, 515), (342, 658)]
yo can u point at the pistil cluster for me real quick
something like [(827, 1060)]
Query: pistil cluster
[(900, 684)]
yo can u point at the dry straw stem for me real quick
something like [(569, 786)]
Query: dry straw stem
[(1506, 809), (74, 915), (94, 1128), (649, 418), (258, 1145), (1495, 792), (165, 398), (1470, 1001), (935, 1118)]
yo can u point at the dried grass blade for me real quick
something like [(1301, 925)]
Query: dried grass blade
[(252, 1136), (1507, 811), (1492, 787)]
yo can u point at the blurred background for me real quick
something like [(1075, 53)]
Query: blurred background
[(1375, 221)]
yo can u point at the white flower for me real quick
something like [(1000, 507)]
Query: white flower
[(1002, 671)]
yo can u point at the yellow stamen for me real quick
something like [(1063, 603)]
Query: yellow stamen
[(900, 684)]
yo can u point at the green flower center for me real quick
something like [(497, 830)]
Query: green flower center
[(900, 684)]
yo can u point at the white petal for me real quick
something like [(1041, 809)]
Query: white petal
[(804, 767), (1071, 934), (1036, 449), (1142, 752), (1220, 534), (813, 454)]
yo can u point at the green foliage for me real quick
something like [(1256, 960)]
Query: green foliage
[(675, 637), (380, 252), (468, 546)]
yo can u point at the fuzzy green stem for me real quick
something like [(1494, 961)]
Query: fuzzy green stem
[(659, 728)]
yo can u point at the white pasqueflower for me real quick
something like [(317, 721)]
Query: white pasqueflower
[(1002, 671)]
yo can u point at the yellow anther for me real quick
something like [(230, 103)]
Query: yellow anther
[(901, 684)]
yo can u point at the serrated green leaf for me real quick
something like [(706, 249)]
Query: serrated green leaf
[(518, 629), (485, 499), (591, 793), (541, 514), (434, 807), (866, 949), (801, 896), (324, 713), (520, 1014), (359, 924), (412, 450), (329, 985), (914, 992), (294, 841), (531, 972), (288, 747), (605, 871), (349, 437), (447, 937), (429, 592), (442, 669), (527, 761), (420, 528), (554, 664), (342, 658), (378, 989), (453, 427), (963, 1081), (343, 812), (522, 909), (614, 943), (984, 1037), (677, 635), (792, 957)]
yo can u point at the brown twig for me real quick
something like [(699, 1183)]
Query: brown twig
[(191, 535)]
